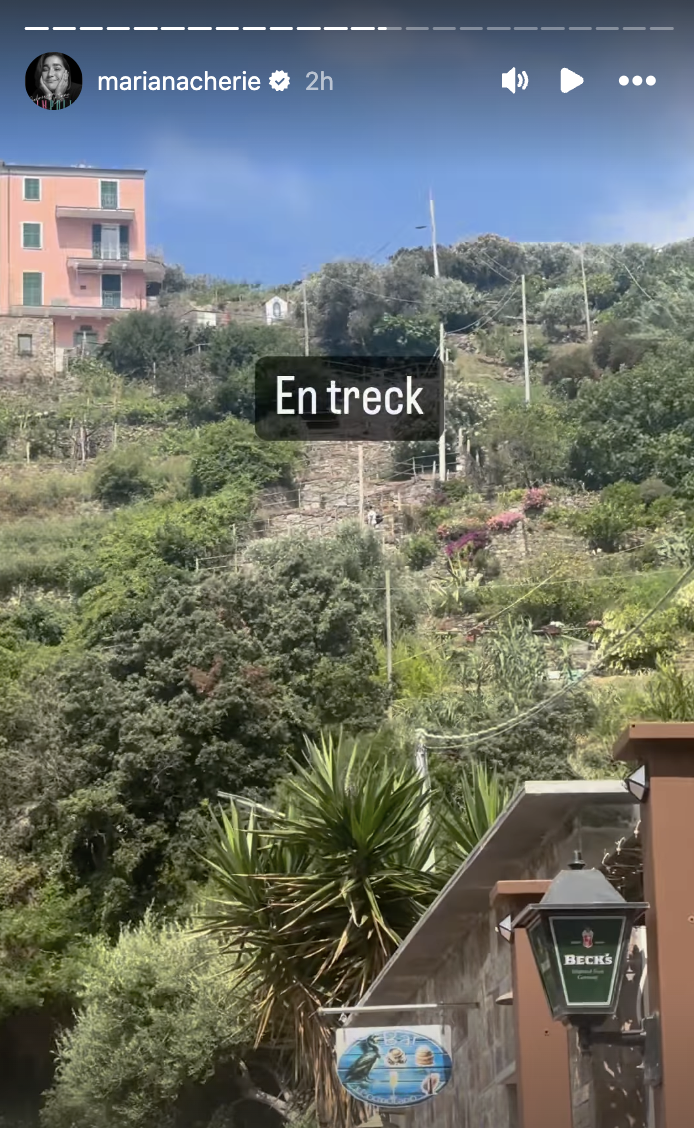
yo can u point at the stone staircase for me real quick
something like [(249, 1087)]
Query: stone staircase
[(328, 492)]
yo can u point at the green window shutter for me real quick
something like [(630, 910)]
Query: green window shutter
[(109, 194), (32, 188), (124, 241), (96, 240), (31, 235), (32, 288)]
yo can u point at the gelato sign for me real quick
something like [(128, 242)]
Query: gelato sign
[(582, 958), (394, 1066)]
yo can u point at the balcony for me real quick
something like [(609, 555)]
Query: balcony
[(97, 215), (83, 312), (154, 271)]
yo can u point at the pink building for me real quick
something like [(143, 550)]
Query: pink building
[(72, 259)]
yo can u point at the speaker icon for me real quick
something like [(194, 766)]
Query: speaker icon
[(510, 82)]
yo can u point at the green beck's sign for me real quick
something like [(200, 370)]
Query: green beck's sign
[(579, 959)]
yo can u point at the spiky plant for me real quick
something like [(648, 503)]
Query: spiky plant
[(314, 900), (479, 799)]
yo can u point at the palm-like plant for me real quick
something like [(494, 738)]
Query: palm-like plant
[(315, 899), (479, 800)]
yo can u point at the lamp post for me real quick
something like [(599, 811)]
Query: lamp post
[(579, 935)]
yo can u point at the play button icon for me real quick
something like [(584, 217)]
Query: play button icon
[(569, 80)]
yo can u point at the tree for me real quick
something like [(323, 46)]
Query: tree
[(230, 451), (161, 1037), (203, 686), (567, 369), (236, 346), (416, 335), (486, 262), (139, 341), (320, 892), (121, 476), (616, 344), (637, 424), (562, 309), (344, 300), (175, 280), (455, 303), (524, 445)]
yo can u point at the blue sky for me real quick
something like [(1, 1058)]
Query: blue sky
[(263, 185)]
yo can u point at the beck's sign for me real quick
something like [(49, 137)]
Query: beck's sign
[(581, 961)]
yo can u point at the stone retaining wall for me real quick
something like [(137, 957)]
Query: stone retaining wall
[(16, 370)]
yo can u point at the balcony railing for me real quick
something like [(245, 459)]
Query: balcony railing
[(112, 254), (110, 300)]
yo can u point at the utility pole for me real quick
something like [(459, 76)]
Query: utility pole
[(422, 768), (585, 298), (389, 633), (526, 362), (434, 248), (361, 483), (303, 295), (442, 344)]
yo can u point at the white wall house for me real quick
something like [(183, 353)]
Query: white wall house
[(276, 309), (201, 317)]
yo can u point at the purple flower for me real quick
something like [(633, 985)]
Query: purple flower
[(469, 543)]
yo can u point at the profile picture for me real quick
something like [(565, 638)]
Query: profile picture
[(53, 81)]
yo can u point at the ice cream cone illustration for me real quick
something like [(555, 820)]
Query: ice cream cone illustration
[(393, 1081)]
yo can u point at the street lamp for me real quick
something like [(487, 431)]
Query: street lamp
[(637, 784), (579, 935)]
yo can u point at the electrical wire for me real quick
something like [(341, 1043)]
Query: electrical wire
[(465, 739)]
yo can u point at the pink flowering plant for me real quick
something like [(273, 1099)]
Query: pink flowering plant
[(459, 527), (535, 500), (467, 545), (503, 522)]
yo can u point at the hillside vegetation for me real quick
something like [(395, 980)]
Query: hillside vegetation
[(155, 651)]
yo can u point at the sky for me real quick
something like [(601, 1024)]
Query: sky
[(265, 185)]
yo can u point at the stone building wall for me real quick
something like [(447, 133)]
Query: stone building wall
[(17, 371), (607, 1089)]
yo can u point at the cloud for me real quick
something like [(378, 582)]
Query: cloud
[(220, 180), (657, 225)]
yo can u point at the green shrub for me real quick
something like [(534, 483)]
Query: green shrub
[(420, 550), (161, 1012), (487, 563), (656, 641), (230, 451), (653, 489), (619, 511), (568, 368), (459, 595), (455, 489), (122, 476), (662, 510), (46, 554), (644, 558), (27, 491)]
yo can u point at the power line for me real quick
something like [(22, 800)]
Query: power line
[(466, 739)]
